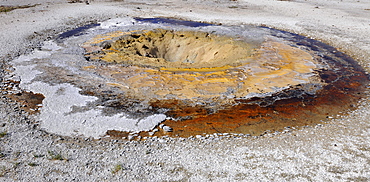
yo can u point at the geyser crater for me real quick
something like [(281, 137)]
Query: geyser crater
[(122, 78)]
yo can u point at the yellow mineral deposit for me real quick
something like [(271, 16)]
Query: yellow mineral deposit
[(162, 64)]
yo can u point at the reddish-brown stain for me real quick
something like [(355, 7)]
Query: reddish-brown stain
[(30, 101), (253, 119)]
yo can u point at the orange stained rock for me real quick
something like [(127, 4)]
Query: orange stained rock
[(89, 67), (272, 65)]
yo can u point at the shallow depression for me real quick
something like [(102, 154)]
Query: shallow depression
[(156, 78), (173, 49)]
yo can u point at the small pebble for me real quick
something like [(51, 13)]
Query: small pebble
[(167, 129)]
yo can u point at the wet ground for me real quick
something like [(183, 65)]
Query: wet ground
[(283, 80)]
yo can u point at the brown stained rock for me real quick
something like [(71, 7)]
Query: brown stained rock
[(30, 102), (10, 8)]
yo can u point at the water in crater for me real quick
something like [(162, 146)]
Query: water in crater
[(137, 75)]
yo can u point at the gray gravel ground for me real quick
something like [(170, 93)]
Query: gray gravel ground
[(338, 150)]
